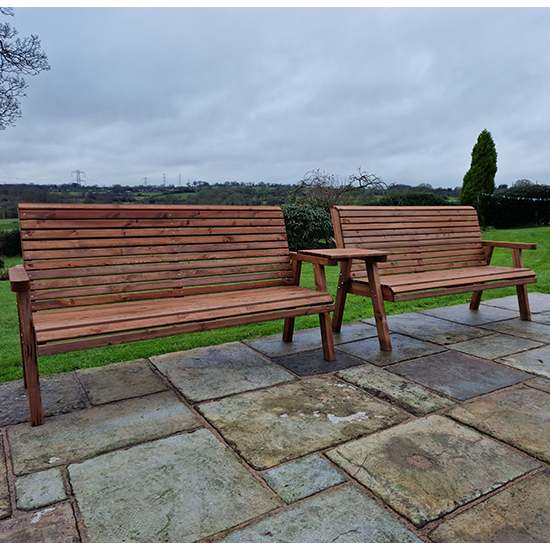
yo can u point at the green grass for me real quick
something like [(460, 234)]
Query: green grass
[(8, 224), (356, 308)]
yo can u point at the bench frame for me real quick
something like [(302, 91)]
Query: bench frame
[(98, 275), (431, 251)]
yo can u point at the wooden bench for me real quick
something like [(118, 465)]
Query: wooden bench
[(431, 251), (98, 275)]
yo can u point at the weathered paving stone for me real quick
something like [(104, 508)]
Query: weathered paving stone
[(271, 426), (61, 393), (40, 489), (463, 314), (180, 489), (523, 329), (518, 514), (309, 363), (308, 339), (518, 416), (82, 434), (53, 525), (458, 375), (430, 329), (403, 348), (539, 383), (217, 371), (497, 345), (536, 361), (120, 381), (343, 515), (5, 508), (429, 467), (538, 302), (302, 478), (395, 389), (543, 318)]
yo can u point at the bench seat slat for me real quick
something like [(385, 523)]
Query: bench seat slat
[(160, 332), (55, 325)]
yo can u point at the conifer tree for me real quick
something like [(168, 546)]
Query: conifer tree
[(480, 178)]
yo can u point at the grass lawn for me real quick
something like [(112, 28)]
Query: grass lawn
[(356, 308), (7, 224)]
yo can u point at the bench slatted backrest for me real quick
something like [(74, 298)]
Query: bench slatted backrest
[(80, 255), (418, 239)]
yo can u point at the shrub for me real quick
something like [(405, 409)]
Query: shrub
[(412, 198), (307, 227), (526, 204), (10, 243)]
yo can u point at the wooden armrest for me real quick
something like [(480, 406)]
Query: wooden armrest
[(19, 279), (331, 256), (502, 244)]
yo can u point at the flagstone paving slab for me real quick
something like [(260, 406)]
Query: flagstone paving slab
[(309, 339), (40, 489), (518, 514), (518, 416), (539, 383), (458, 375), (343, 515), (538, 302), (120, 381), (271, 426), (462, 313), (523, 329), (82, 434), (395, 389), (543, 318), (496, 345), (536, 361), (436, 331), (309, 363), (5, 508), (217, 371), (180, 489), (52, 525), (61, 393), (427, 468), (403, 348), (302, 478)]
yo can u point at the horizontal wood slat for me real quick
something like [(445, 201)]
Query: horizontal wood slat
[(123, 338), (124, 318)]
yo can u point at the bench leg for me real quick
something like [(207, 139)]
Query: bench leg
[(476, 300), (378, 307), (288, 329), (341, 293), (326, 336), (29, 357), (523, 301)]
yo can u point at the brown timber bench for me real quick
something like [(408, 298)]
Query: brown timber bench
[(98, 275), (431, 251)]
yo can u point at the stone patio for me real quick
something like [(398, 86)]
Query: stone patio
[(444, 439)]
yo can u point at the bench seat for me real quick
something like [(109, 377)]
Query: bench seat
[(62, 330), (395, 288)]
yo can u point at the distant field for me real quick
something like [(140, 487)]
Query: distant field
[(9, 224)]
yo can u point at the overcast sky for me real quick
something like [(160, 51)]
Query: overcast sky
[(265, 94)]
